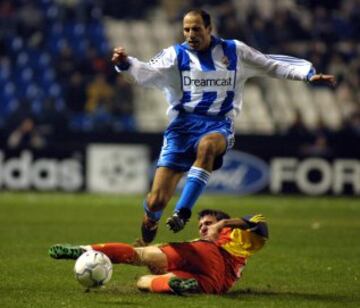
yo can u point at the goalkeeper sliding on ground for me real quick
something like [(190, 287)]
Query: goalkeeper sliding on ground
[(211, 264)]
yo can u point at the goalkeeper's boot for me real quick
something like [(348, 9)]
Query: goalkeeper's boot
[(149, 229), (65, 251), (178, 220), (180, 285)]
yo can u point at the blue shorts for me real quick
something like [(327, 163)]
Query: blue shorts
[(183, 135)]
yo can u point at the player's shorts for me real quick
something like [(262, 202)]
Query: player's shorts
[(202, 260), (183, 135)]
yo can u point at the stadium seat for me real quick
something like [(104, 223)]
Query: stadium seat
[(16, 44), (325, 101), (150, 108), (243, 122), (60, 104), (7, 97), (22, 59), (163, 33), (279, 102), (260, 118), (302, 100), (117, 31), (36, 106)]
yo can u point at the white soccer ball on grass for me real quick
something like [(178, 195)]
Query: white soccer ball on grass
[(93, 269)]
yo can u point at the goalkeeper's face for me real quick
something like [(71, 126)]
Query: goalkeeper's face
[(204, 224), (196, 34)]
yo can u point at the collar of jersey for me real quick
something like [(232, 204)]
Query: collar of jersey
[(214, 41)]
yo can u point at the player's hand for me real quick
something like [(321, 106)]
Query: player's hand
[(258, 218), (329, 79), (119, 56)]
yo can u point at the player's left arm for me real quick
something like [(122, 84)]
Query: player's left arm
[(215, 229), (279, 66)]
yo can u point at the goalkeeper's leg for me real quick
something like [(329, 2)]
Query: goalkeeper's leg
[(168, 283), (150, 256), (66, 251)]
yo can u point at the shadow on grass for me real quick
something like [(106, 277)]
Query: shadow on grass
[(248, 293), (133, 298), (118, 303)]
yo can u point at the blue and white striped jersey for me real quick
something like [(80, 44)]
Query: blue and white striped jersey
[(212, 82)]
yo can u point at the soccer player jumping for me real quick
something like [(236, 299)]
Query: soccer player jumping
[(203, 80), (211, 264)]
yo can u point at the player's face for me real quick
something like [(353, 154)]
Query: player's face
[(204, 223), (196, 34)]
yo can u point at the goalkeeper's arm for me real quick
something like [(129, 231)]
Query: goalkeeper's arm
[(253, 223)]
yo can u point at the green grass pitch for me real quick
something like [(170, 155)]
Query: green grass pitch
[(311, 260)]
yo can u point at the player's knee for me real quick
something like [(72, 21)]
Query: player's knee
[(147, 255), (153, 258), (206, 150), (144, 282), (156, 201), (153, 255)]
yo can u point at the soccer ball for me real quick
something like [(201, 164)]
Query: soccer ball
[(93, 269)]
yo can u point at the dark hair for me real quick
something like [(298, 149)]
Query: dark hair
[(219, 215), (204, 15)]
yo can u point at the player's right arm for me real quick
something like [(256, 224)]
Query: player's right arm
[(158, 72)]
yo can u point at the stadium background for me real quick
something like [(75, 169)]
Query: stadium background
[(71, 128), (59, 94)]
